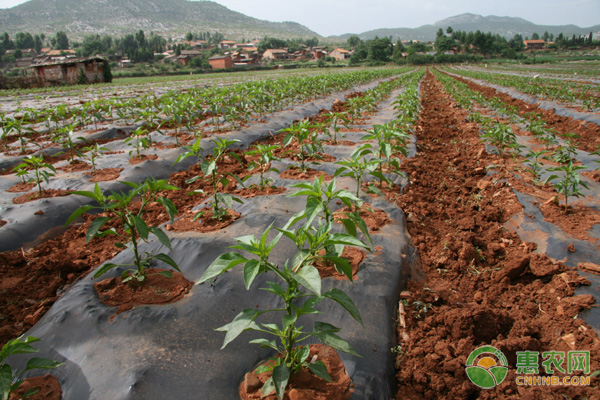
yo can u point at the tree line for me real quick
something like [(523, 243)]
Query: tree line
[(465, 45)]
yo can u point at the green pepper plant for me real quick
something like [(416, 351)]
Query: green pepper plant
[(41, 171), (11, 379), (569, 185), (308, 141), (120, 208), (221, 201), (92, 153), (265, 156), (299, 286)]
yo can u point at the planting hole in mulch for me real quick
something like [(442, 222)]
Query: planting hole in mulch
[(75, 166), (2, 222), (254, 191), (577, 221), (354, 256), (205, 223), (138, 160), (296, 173), (47, 385), (106, 174), (374, 218), (338, 143), (304, 385), (45, 194), (21, 187), (156, 289), (593, 175)]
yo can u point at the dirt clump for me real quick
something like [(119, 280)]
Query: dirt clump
[(304, 385)]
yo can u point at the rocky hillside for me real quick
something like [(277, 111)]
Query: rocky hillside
[(504, 26), (116, 17)]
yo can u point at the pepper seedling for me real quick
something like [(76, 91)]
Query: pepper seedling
[(120, 208)]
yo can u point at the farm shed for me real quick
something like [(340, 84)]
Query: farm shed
[(534, 44), (275, 54), (340, 54), (67, 72), (221, 62)]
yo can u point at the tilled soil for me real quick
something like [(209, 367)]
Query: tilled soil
[(483, 285), (588, 133)]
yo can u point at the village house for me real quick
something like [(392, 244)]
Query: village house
[(68, 72), (221, 62), (534, 44), (340, 54), (61, 53), (276, 54), (227, 44)]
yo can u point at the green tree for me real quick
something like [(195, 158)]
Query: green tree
[(92, 44), (380, 49), (37, 43), (535, 36), (189, 36), (516, 43), (312, 42), (24, 40), (444, 43), (397, 54), (449, 30), (271, 43), (353, 41), (61, 41)]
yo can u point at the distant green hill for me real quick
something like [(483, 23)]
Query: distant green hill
[(504, 26), (117, 17)]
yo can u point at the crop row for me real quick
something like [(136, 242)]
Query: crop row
[(570, 92), (235, 104), (125, 222), (565, 177)]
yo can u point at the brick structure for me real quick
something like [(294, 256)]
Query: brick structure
[(221, 62), (67, 72)]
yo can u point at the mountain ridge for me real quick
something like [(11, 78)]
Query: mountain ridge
[(502, 25), (118, 17)]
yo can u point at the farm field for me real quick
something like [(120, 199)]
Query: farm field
[(455, 210)]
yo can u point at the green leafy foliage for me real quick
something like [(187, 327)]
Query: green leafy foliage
[(41, 171), (569, 183), (10, 379), (120, 209), (298, 284)]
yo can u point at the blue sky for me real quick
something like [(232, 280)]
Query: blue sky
[(335, 17)]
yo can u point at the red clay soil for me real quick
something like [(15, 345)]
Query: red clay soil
[(355, 257), (106, 174), (47, 193), (296, 173), (483, 285), (304, 385), (48, 386), (75, 166), (374, 218), (205, 223), (577, 221), (138, 160), (254, 191), (31, 280), (155, 289), (21, 187), (589, 133), (339, 143)]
